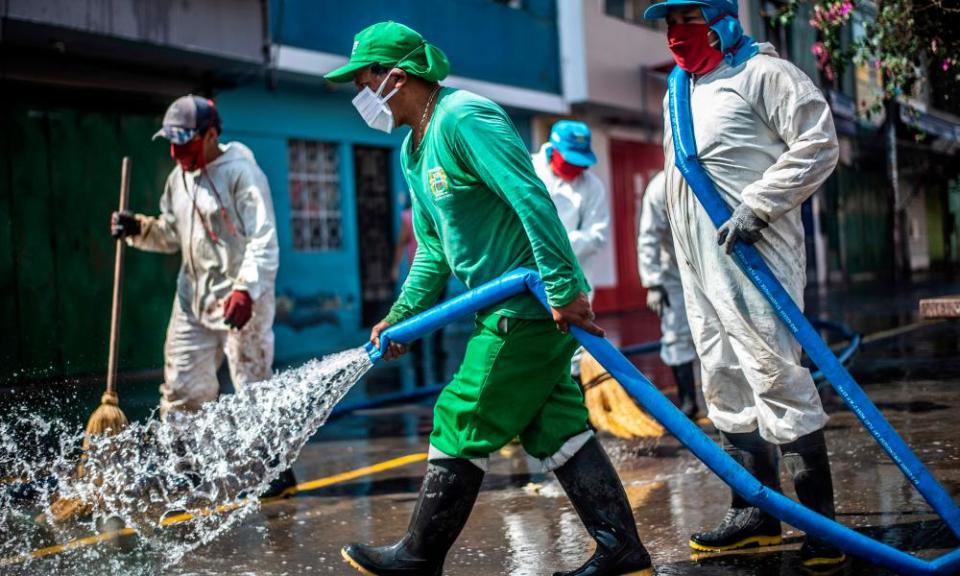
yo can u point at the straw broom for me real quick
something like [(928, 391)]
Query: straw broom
[(611, 408), (107, 419)]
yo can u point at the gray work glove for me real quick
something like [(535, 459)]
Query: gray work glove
[(742, 225), (657, 299), (123, 224)]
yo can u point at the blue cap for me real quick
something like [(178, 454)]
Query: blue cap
[(572, 140), (660, 9)]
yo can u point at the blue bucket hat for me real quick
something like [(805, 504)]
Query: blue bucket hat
[(572, 140), (660, 9), (723, 18)]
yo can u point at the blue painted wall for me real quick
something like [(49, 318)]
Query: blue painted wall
[(483, 39)]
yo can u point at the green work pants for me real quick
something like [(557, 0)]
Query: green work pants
[(514, 382)]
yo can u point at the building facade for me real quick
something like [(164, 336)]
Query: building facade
[(89, 83)]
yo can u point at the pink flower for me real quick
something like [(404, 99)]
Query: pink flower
[(946, 65), (823, 56)]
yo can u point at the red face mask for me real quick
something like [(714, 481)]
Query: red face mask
[(565, 170), (189, 156), (691, 48)]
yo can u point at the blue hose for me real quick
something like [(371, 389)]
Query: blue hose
[(642, 390), (382, 400), (853, 343), (470, 302), (753, 265)]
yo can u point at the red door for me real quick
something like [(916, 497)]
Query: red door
[(632, 164)]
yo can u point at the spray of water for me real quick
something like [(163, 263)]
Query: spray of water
[(178, 483)]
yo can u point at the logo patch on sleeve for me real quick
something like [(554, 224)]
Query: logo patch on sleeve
[(437, 178)]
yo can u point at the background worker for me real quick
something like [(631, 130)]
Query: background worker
[(563, 165), (217, 211), (479, 211), (660, 276), (767, 141)]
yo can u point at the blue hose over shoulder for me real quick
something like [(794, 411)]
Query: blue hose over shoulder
[(751, 262)]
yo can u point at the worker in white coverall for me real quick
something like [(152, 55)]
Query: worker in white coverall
[(562, 164), (217, 211), (765, 136), (660, 276)]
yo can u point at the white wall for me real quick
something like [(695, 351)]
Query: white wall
[(616, 53)]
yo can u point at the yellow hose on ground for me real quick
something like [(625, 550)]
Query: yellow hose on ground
[(611, 408)]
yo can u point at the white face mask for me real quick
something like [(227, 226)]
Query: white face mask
[(373, 108)]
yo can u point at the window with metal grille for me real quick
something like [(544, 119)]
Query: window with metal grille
[(314, 181)]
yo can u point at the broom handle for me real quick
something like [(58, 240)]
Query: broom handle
[(117, 284)]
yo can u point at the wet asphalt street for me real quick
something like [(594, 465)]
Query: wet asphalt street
[(524, 525)]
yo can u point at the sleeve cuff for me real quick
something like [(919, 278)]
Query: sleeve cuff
[(393, 317), (254, 290), (561, 295), (759, 207)]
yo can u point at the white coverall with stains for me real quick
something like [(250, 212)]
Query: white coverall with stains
[(765, 136), (222, 220), (658, 267), (583, 209)]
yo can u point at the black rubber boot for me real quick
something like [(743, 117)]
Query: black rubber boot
[(686, 391), (745, 526), (595, 490), (449, 489), (283, 486), (807, 461)]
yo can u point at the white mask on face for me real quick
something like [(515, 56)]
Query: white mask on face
[(373, 108)]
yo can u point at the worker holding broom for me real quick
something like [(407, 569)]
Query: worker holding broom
[(480, 211), (766, 139), (563, 165), (659, 274), (217, 211)]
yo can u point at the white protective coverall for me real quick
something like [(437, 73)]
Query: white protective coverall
[(234, 247), (658, 267), (765, 136), (583, 209)]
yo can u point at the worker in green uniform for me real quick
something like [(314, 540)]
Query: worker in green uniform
[(480, 211)]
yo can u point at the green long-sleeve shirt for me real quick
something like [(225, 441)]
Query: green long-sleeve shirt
[(479, 211)]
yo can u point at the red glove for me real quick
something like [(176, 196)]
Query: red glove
[(237, 309)]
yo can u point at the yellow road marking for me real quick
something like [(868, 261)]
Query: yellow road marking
[(360, 472), (178, 518)]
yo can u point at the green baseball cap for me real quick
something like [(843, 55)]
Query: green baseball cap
[(392, 44)]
